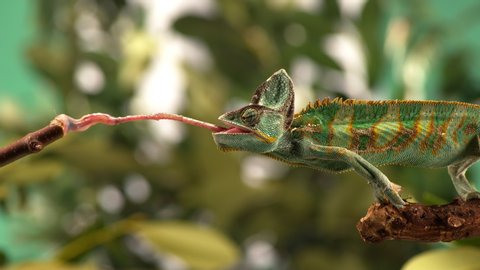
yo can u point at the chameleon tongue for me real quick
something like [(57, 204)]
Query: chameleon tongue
[(235, 130), (70, 124)]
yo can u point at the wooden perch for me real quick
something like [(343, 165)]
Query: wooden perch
[(427, 223)]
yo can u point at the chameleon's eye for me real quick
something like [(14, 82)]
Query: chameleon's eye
[(250, 117)]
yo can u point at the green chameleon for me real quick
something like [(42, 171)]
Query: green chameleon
[(333, 135), (338, 135)]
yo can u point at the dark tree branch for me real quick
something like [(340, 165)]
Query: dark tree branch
[(457, 220), (31, 143)]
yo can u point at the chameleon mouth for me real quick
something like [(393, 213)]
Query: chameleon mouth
[(233, 129)]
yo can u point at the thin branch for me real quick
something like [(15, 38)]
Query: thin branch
[(426, 223), (63, 124), (31, 143)]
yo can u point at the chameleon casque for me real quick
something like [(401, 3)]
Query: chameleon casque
[(338, 135)]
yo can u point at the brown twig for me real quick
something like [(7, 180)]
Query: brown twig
[(31, 143), (427, 223)]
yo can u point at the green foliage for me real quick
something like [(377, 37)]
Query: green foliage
[(199, 247), (266, 216), (445, 259), (51, 266)]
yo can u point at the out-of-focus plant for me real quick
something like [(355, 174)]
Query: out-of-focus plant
[(78, 203)]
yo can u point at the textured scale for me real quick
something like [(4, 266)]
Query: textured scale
[(338, 135), (414, 133)]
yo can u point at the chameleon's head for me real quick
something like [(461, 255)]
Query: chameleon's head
[(258, 126)]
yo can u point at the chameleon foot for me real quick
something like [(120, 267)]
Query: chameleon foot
[(472, 195), (395, 187), (390, 195)]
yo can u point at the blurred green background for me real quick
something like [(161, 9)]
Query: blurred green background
[(160, 195)]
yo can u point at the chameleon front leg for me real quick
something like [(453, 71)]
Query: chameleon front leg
[(383, 188)]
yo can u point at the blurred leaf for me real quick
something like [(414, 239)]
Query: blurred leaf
[(53, 63), (92, 239), (200, 247), (19, 239), (51, 266), (96, 154), (3, 192), (3, 258), (370, 35), (224, 42), (31, 172), (314, 259), (138, 48), (463, 258), (307, 216)]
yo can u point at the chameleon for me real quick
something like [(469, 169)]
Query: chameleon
[(333, 135), (338, 135)]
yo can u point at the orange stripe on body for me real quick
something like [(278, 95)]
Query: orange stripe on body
[(457, 129), (353, 140), (442, 136), (400, 129), (424, 144), (331, 134)]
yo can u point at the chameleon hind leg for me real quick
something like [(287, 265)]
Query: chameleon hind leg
[(383, 188), (460, 181)]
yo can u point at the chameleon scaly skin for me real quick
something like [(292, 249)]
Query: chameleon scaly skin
[(338, 135)]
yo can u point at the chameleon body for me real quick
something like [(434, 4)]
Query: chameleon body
[(338, 135)]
